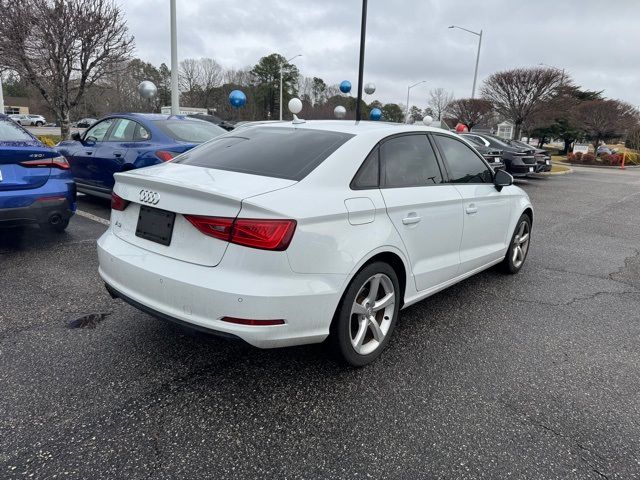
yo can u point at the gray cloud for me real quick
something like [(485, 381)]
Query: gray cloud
[(407, 40)]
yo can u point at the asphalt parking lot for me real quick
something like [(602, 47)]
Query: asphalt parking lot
[(529, 376)]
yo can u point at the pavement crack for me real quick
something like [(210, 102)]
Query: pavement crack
[(593, 464)]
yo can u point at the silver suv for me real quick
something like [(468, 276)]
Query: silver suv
[(28, 120)]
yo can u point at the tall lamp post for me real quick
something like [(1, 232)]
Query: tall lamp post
[(475, 75), (406, 113), (281, 65), (175, 93)]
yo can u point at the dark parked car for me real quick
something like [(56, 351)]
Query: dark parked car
[(543, 159), (518, 161), (36, 185), (492, 155), (228, 126), (125, 141)]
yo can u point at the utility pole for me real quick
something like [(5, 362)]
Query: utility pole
[(363, 33), (475, 74), (175, 92), (406, 113)]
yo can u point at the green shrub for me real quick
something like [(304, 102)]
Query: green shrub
[(49, 140)]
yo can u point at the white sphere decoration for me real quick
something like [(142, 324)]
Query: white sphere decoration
[(369, 88), (295, 105), (427, 120), (340, 111), (147, 89)]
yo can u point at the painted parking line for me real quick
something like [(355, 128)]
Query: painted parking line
[(93, 217)]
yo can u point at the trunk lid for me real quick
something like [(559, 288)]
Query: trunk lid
[(185, 189), (14, 176)]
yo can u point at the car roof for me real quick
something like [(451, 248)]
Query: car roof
[(355, 128), (151, 116)]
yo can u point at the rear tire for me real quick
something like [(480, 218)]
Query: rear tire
[(518, 247), (56, 228), (39, 124), (367, 315)]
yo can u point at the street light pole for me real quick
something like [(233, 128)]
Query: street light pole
[(175, 93), (281, 65), (406, 113), (1, 96), (475, 74)]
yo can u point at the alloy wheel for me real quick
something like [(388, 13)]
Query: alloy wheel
[(520, 244), (372, 314)]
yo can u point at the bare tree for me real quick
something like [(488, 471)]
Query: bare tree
[(63, 47), (470, 111), (439, 100), (605, 119), (518, 94)]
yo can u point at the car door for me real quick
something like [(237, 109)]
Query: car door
[(425, 210), (115, 150), (85, 161), (486, 211)]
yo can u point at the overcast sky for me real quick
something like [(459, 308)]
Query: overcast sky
[(596, 41)]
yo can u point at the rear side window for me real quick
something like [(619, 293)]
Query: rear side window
[(123, 131), (10, 132), (464, 165), (409, 161), (192, 131), (268, 151), (368, 174)]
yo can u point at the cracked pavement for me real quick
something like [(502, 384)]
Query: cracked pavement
[(529, 376)]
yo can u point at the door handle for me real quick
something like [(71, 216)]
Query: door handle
[(411, 219), (471, 209), (117, 154), (89, 152)]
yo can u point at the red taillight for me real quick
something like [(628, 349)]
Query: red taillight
[(56, 162), (118, 203), (252, 323), (165, 155), (250, 232)]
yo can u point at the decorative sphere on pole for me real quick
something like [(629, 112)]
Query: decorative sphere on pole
[(147, 89), (237, 98), (427, 120), (295, 105), (339, 111), (369, 88), (375, 114), (345, 86)]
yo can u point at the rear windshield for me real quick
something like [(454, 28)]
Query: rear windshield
[(10, 132), (288, 153), (193, 131)]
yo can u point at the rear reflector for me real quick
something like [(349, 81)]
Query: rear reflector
[(56, 162), (118, 203), (165, 155), (253, 323), (249, 232)]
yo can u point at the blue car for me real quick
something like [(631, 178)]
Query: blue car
[(36, 185), (122, 142)]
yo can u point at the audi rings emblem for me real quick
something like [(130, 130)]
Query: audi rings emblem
[(147, 196)]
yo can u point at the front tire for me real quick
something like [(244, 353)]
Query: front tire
[(518, 247), (367, 315), (39, 124)]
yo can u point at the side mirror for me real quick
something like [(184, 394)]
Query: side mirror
[(502, 179), (76, 136)]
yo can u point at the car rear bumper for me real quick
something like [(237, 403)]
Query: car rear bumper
[(43, 209), (201, 296)]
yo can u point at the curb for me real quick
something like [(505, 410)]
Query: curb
[(570, 170), (613, 167)]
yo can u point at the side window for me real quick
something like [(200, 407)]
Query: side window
[(122, 131), (141, 134), (99, 130), (464, 165), (367, 176), (408, 161)]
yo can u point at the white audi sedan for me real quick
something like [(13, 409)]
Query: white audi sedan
[(290, 233)]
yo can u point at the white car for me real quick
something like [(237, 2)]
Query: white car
[(286, 234), (28, 120)]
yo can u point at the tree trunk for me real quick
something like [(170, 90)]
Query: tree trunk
[(567, 145), (596, 144), (65, 124), (541, 142), (516, 132)]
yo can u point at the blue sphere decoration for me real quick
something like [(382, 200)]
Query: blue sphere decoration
[(237, 99), (375, 114), (345, 86)]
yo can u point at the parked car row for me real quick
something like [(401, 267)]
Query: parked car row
[(519, 158)]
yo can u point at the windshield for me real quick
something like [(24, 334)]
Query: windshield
[(10, 132), (192, 131), (268, 151)]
